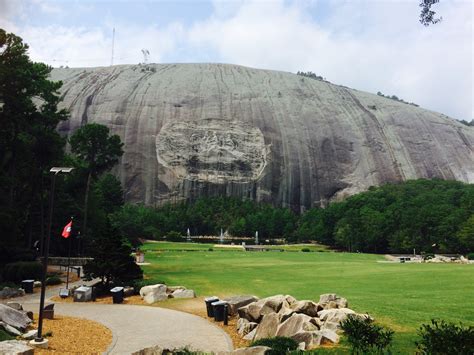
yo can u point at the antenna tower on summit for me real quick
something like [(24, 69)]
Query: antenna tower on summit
[(146, 55), (113, 44)]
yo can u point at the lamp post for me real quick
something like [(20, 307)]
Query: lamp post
[(39, 341)]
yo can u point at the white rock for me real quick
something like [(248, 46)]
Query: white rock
[(16, 347), (153, 293), (183, 294), (30, 334)]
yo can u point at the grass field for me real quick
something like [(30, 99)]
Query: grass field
[(402, 296)]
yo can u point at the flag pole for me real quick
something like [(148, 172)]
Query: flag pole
[(69, 259)]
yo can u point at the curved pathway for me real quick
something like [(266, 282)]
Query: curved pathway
[(137, 327)]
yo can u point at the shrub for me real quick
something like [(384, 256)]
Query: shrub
[(365, 336), (5, 336), (53, 280), (470, 256), (22, 270), (174, 237), (305, 250), (278, 345), (210, 249), (441, 337)]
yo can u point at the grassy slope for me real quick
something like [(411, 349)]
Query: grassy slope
[(401, 296)]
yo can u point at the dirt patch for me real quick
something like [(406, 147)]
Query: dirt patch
[(71, 335)]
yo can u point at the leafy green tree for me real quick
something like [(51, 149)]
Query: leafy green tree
[(98, 151), (466, 235)]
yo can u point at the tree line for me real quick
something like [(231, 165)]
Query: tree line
[(425, 215)]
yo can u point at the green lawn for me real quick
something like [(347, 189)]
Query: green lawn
[(402, 296)]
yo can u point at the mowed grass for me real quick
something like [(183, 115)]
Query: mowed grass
[(401, 296)]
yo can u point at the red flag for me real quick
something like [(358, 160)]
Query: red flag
[(67, 230)]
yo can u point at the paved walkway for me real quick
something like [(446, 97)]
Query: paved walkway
[(137, 327)]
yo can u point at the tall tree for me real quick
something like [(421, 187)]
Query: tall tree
[(98, 151), (29, 143)]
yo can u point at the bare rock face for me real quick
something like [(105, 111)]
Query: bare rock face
[(195, 130)]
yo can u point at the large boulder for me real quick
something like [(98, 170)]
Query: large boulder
[(311, 339), (179, 293), (9, 292), (268, 326), (335, 315), (153, 293), (329, 335), (331, 300), (14, 318), (256, 310), (296, 323), (15, 347), (309, 308), (236, 302), (244, 326)]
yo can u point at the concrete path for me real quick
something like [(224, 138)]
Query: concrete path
[(138, 327)]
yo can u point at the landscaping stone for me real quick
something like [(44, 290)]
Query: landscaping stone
[(251, 312), (330, 335), (244, 326), (331, 300), (335, 315), (153, 293), (9, 329), (268, 326), (307, 338), (309, 308), (250, 336), (9, 292), (294, 324), (236, 302), (171, 289), (16, 319), (183, 294), (15, 347), (15, 305), (30, 334), (334, 326)]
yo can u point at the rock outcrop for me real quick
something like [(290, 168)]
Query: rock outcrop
[(214, 129)]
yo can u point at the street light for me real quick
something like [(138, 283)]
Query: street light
[(39, 341)]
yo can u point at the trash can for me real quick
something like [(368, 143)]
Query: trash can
[(117, 294), (27, 285), (209, 301), (219, 310), (83, 294)]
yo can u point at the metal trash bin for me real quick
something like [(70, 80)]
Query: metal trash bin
[(209, 308), (117, 294), (220, 311), (27, 285)]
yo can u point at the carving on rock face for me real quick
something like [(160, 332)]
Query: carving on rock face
[(212, 150)]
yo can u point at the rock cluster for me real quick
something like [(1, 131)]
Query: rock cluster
[(160, 292), (309, 323), (15, 321)]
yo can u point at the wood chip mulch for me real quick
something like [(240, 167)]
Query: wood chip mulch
[(71, 335)]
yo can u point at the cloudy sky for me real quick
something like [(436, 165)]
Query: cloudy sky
[(370, 45)]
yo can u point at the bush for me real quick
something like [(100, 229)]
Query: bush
[(5, 336), (278, 345), (470, 256), (22, 270), (364, 336), (441, 337), (305, 250), (210, 249), (174, 237), (53, 280)]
